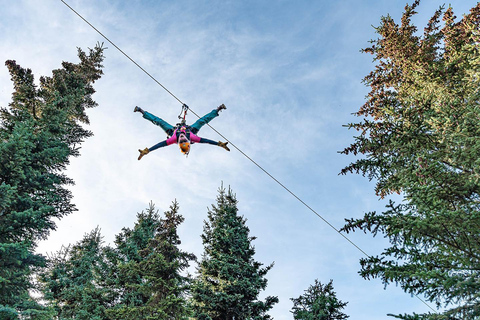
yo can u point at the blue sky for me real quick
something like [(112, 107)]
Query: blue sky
[(290, 75)]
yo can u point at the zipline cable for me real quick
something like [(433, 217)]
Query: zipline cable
[(243, 153), (287, 189), (126, 55)]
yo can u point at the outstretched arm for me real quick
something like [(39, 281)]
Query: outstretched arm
[(197, 139), (146, 151), (219, 143)]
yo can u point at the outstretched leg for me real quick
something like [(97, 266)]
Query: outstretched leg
[(168, 128), (206, 119)]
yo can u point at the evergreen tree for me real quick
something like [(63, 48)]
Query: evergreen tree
[(419, 137), (39, 131), (229, 279), (151, 273), (72, 282), (319, 302), (124, 258)]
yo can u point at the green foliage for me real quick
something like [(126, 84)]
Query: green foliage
[(229, 279), (72, 282), (150, 274), (140, 278), (319, 302), (16, 265), (124, 258), (39, 131), (8, 313), (419, 138)]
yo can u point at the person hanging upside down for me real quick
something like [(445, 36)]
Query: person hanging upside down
[(182, 134)]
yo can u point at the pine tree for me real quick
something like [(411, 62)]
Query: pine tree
[(151, 274), (123, 259), (72, 281), (419, 138), (39, 131), (319, 302), (229, 279)]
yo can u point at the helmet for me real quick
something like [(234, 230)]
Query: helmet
[(184, 147)]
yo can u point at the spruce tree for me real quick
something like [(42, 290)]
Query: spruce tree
[(229, 279), (419, 137), (151, 275), (72, 283), (319, 302), (39, 131), (124, 258)]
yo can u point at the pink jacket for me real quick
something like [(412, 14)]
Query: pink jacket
[(173, 139)]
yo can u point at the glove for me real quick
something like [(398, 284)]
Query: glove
[(223, 145), (143, 152), (221, 107)]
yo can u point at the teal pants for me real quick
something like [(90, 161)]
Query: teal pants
[(168, 128), (204, 120)]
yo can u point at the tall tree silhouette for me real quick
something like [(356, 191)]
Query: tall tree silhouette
[(150, 277), (72, 283), (419, 138), (229, 279), (39, 132)]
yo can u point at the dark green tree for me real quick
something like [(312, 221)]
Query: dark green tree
[(150, 275), (39, 131), (124, 257), (229, 279), (319, 302), (419, 137), (73, 280)]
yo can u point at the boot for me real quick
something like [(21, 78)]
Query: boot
[(138, 109)]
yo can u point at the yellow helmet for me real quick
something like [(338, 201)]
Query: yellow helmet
[(184, 147)]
